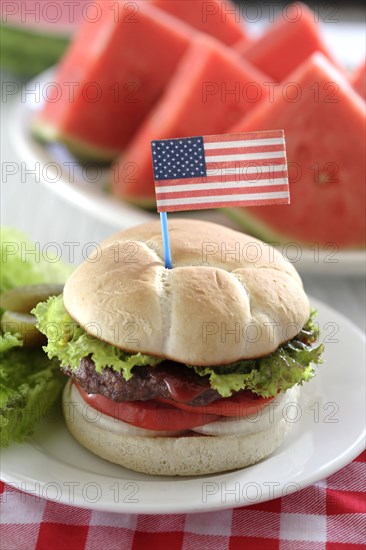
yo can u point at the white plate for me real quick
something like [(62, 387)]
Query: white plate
[(329, 434)]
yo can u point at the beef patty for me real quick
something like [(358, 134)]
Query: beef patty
[(146, 383)]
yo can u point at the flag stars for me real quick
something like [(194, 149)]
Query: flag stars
[(178, 158)]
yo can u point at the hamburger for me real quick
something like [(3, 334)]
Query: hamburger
[(184, 371)]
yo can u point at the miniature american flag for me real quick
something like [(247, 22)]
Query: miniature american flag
[(200, 172)]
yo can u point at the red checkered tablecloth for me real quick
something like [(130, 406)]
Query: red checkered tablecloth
[(329, 515)]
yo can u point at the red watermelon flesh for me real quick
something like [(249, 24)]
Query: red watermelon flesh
[(198, 101), (116, 69), (325, 150), (243, 45), (220, 18), (359, 80), (288, 42)]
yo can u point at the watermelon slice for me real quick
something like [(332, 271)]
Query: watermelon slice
[(288, 42), (220, 18), (324, 129), (358, 80), (211, 90), (114, 72)]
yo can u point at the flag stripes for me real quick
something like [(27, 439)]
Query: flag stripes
[(238, 170), (181, 188), (223, 201)]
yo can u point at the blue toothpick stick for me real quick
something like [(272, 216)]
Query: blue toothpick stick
[(166, 244)]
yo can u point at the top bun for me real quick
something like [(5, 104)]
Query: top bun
[(228, 297)]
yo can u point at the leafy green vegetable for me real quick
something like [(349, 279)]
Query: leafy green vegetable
[(266, 376), (29, 384), (9, 341), (29, 381), (290, 364), (70, 343), (22, 262)]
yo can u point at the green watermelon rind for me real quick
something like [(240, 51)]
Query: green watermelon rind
[(263, 231), (146, 203), (28, 53), (252, 225), (83, 151)]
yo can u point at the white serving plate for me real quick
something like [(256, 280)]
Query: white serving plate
[(329, 433)]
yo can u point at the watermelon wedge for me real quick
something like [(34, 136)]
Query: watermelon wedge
[(211, 90), (114, 72), (288, 42), (219, 18), (358, 80), (325, 136)]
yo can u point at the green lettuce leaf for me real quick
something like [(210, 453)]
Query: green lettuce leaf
[(290, 364), (29, 384), (9, 341), (70, 343), (22, 262), (29, 381), (266, 376)]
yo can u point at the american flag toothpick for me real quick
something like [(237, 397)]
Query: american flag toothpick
[(203, 172)]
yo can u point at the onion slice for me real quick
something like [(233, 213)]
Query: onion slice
[(106, 422), (280, 407)]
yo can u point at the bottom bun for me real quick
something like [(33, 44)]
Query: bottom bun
[(184, 455)]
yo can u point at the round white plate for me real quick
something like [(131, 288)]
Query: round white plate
[(328, 434)]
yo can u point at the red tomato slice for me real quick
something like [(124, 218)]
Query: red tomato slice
[(151, 415), (240, 405)]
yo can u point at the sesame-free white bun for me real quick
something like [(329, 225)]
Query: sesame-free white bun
[(175, 455), (228, 297)]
